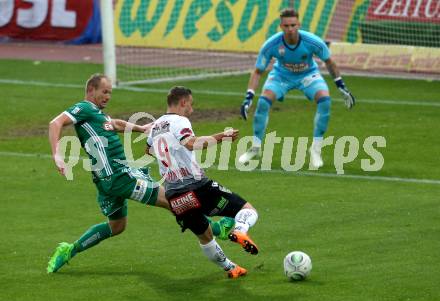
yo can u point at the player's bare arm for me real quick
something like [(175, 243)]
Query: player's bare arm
[(120, 125), (254, 80), (349, 99), (55, 129), (332, 68), (202, 142)]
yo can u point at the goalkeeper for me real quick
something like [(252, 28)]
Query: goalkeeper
[(294, 68)]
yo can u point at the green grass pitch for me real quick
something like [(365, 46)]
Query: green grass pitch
[(371, 235)]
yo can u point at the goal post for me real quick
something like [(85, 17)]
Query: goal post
[(163, 40), (108, 40)]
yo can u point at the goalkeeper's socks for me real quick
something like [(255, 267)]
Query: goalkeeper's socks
[(322, 116), (92, 237), (261, 119), (245, 219), (214, 252)]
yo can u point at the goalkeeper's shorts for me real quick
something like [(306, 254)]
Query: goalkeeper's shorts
[(309, 84)]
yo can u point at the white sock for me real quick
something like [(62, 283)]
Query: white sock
[(214, 252), (317, 143), (245, 219), (256, 142)]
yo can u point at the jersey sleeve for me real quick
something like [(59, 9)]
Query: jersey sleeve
[(264, 56), (78, 112), (182, 129), (150, 139), (320, 48)]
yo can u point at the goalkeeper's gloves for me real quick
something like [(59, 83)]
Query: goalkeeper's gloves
[(348, 97), (247, 103)]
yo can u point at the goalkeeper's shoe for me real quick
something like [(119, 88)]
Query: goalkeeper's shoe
[(244, 240), (315, 155), (236, 272), (61, 256), (251, 153), (226, 224)]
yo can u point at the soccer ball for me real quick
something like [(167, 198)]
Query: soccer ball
[(297, 265)]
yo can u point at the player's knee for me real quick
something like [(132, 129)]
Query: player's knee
[(206, 237), (249, 206), (118, 226), (263, 106), (324, 104), (324, 101), (270, 95), (161, 199), (321, 95)]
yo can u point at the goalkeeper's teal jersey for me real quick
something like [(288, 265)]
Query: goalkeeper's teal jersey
[(292, 61), (98, 138)]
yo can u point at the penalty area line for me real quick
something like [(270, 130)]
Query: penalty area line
[(359, 177), (278, 171)]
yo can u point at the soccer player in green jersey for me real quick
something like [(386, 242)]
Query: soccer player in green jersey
[(116, 182)]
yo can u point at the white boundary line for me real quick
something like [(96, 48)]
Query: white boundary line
[(278, 171), (221, 93)]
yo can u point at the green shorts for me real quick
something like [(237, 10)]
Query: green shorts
[(114, 191)]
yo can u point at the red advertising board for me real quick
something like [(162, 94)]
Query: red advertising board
[(427, 11), (44, 19)]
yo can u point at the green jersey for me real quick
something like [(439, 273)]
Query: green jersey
[(98, 138)]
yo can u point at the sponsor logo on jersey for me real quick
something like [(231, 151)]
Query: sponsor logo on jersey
[(281, 50), (76, 110), (222, 204), (297, 67), (108, 126), (160, 128), (185, 202)]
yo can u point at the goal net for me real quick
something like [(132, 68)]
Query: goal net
[(159, 40)]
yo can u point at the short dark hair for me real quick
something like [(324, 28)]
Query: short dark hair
[(288, 13), (94, 81), (177, 93)]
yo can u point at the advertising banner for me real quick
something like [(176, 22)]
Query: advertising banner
[(385, 58), (410, 22), (231, 25), (47, 19), (408, 11)]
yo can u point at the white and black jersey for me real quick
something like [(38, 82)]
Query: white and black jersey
[(177, 165)]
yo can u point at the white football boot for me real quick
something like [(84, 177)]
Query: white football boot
[(315, 154), (251, 153)]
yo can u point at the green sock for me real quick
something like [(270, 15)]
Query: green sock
[(215, 226), (92, 237)]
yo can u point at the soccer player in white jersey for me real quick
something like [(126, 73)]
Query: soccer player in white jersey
[(191, 195), (294, 68)]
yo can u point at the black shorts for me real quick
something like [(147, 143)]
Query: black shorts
[(211, 199)]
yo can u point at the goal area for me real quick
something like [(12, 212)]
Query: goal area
[(147, 41)]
